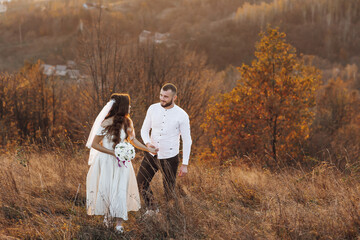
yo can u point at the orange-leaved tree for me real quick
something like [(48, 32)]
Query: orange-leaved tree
[(270, 110)]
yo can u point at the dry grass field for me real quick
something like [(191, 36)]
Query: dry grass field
[(46, 200)]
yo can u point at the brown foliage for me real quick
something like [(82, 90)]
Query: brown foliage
[(33, 107), (336, 130), (42, 109)]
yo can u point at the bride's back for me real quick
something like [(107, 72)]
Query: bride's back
[(107, 140)]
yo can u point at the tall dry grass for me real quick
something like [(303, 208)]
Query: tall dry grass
[(43, 197)]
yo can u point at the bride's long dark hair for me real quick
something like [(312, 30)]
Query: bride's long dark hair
[(121, 118)]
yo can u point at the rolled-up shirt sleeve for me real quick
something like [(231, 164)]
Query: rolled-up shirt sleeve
[(186, 138), (145, 129)]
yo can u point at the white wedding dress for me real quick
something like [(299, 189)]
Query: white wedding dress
[(110, 189)]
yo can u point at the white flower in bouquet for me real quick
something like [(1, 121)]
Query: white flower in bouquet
[(124, 152)]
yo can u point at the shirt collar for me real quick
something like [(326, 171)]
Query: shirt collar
[(168, 109)]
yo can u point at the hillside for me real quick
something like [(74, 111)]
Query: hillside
[(224, 31)]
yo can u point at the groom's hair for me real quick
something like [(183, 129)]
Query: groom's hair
[(169, 86)]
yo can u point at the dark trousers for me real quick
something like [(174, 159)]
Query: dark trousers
[(149, 166)]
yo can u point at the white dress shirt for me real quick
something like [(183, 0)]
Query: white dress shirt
[(166, 127)]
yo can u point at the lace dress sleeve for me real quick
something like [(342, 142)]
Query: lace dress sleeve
[(101, 131)]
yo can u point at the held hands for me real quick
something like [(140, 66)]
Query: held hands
[(152, 148)]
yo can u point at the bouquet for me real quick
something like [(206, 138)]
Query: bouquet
[(124, 152)]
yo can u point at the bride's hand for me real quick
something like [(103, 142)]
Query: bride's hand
[(153, 150)]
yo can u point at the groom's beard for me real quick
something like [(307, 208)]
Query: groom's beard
[(167, 104)]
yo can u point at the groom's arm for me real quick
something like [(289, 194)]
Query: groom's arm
[(145, 129), (186, 139)]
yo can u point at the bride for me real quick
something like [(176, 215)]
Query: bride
[(111, 187)]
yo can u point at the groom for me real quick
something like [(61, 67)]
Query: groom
[(167, 122)]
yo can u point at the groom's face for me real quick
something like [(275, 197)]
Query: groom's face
[(166, 98)]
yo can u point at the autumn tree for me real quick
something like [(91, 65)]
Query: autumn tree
[(270, 109)]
